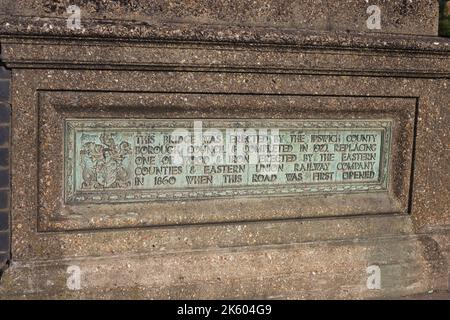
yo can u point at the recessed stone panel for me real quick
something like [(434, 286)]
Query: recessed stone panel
[(332, 156)]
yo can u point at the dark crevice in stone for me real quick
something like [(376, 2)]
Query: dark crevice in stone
[(4, 267)]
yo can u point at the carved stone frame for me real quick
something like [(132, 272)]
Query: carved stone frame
[(55, 107)]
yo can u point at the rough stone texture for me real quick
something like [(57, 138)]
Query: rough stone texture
[(290, 271), (4, 166), (227, 71), (57, 106), (402, 17)]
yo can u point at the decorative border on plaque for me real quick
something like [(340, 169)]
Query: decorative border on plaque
[(120, 193)]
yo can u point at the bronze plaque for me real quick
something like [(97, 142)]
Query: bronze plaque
[(131, 160)]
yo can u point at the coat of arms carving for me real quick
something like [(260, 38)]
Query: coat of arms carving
[(105, 164)]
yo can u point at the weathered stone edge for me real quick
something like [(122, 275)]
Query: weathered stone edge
[(21, 53), (399, 17), (53, 28), (405, 269), (5, 117)]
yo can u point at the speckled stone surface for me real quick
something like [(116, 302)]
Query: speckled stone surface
[(318, 247), (402, 17)]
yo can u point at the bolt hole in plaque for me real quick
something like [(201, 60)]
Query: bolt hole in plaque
[(172, 171)]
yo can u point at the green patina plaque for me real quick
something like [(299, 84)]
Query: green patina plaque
[(134, 160)]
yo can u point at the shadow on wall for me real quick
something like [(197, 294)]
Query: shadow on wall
[(444, 18)]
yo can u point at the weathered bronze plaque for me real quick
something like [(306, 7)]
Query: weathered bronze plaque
[(131, 160)]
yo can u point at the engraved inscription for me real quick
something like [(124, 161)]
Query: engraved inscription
[(111, 160)]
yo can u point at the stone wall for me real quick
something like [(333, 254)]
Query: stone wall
[(4, 166), (134, 61)]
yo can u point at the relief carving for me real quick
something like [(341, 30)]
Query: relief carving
[(105, 165)]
